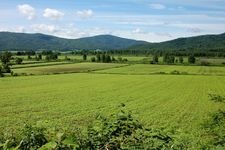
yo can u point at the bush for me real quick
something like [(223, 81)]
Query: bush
[(191, 59), (1, 74), (215, 129), (93, 59), (53, 56), (84, 57), (155, 59), (19, 60), (66, 58), (6, 68), (174, 72), (181, 60), (217, 98), (204, 63), (118, 131)]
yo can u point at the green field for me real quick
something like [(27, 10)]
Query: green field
[(59, 67), (159, 100), (167, 69), (178, 103), (38, 64)]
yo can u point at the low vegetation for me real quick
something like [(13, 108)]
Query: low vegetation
[(118, 131), (146, 69), (167, 92), (217, 98)]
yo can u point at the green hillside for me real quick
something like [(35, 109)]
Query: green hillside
[(198, 43), (24, 41)]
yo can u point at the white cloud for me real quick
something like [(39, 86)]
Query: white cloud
[(84, 14), (53, 14), (13, 29), (27, 10), (157, 6), (138, 31), (44, 28)]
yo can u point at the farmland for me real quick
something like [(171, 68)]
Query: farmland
[(63, 68), (177, 102), (165, 69)]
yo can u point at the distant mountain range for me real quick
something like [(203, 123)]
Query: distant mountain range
[(197, 43), (25, 41)]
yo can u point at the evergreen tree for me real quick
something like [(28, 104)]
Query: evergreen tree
[(103, 58), (84, 57), (155, 59), (191, 59), (181, 60), (98, 57)]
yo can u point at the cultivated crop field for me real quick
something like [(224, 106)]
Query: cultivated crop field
[(177, 103), (166, 69), (58, 67)]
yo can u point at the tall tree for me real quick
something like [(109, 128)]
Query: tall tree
[(181, 60), (155, 59), (84, 57), (1, 74), (6, 57), (98, 57), (19, 60), (191, 59)]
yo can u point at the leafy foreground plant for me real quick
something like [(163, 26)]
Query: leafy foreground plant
[(215, 126), (215, 129), (217, 98), (118, 131)]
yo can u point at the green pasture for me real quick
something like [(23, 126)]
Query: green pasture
[(178, 102), (39, 64), (166, 69), (64, 68)]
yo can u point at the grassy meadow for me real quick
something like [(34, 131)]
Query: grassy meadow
[(173, 102), (64, 68), (174, 98), (166, 69)]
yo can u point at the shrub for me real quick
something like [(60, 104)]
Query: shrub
[(204, 63), (6, 68), (93, 59), (174, 72), (181, 60), (118, 131), (215, 129), (120, 59), (155, 59), (1, 74), (191, 59), (33, 138), (217, 98), (84, 57), (19, 60), (67, 58)]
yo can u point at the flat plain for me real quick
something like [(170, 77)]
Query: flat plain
[(173, 102)]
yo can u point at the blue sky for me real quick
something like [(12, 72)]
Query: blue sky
[(149, 20)]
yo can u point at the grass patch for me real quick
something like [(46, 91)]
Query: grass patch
[(167, 69), (65, 68)]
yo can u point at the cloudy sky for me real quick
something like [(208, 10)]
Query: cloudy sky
[(149, 20)]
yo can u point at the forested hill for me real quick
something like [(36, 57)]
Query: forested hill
[(198, 43), (24, 41)]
